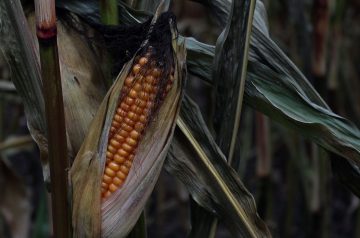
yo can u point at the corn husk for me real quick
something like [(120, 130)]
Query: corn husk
[(116, 216), (82, 82)]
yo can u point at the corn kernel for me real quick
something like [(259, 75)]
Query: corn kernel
[(133, 114), (122, 152), (119, 158), (113, 187), (121, 175), (136, 69), (129, 81), (117, 181), (115, 143), (109, 172), (127, 147), (124, 169), (143, 61), (107, 179), (113, 166)]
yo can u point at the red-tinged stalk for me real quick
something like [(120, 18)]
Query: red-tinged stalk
[(54, 109)]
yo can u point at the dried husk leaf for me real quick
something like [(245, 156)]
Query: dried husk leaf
[(83, 82), (82, 79), (17, 45), (116, 216)]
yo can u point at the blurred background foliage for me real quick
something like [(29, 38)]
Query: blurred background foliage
[(289, 176)]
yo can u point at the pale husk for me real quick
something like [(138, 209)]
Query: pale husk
[(117, 215), (82, 82)]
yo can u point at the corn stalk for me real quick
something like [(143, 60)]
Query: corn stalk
[(55, 119)]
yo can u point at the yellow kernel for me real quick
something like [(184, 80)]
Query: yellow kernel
[(131, 141), (139, 126), (104, 185), (114, 166), (129, 81), (109, 172), (156, 72), (128, 164), (117, 181), (115, 143), (127, 147), (135, 109), (129, 101), (124, 106), (137, 87), (113, 187), (140, 103), (150, 79), (133, 93), (122, 152), (131, 157), (136, 69), (134, 134), (142, 119), (109, 154), (129, 122), (132, 116), (119, 158), (121, 112), (124, 169), (147, 87), (115, 124), (123, 133), (127, 127), (111, 149), (112, 129), (107, 179), (119, 138), (144, 95), (121, 175), (118, 118), (143, 60)]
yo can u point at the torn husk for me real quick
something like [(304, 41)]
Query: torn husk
[(116, 215)]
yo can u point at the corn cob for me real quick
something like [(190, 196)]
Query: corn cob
[(139, 99)]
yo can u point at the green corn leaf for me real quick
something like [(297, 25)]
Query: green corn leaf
[(276, 87), (229, 77)]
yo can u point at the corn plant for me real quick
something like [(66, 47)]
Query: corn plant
[(103, 145)]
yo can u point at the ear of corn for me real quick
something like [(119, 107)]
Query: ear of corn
[(137, 104), (130, 134)]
